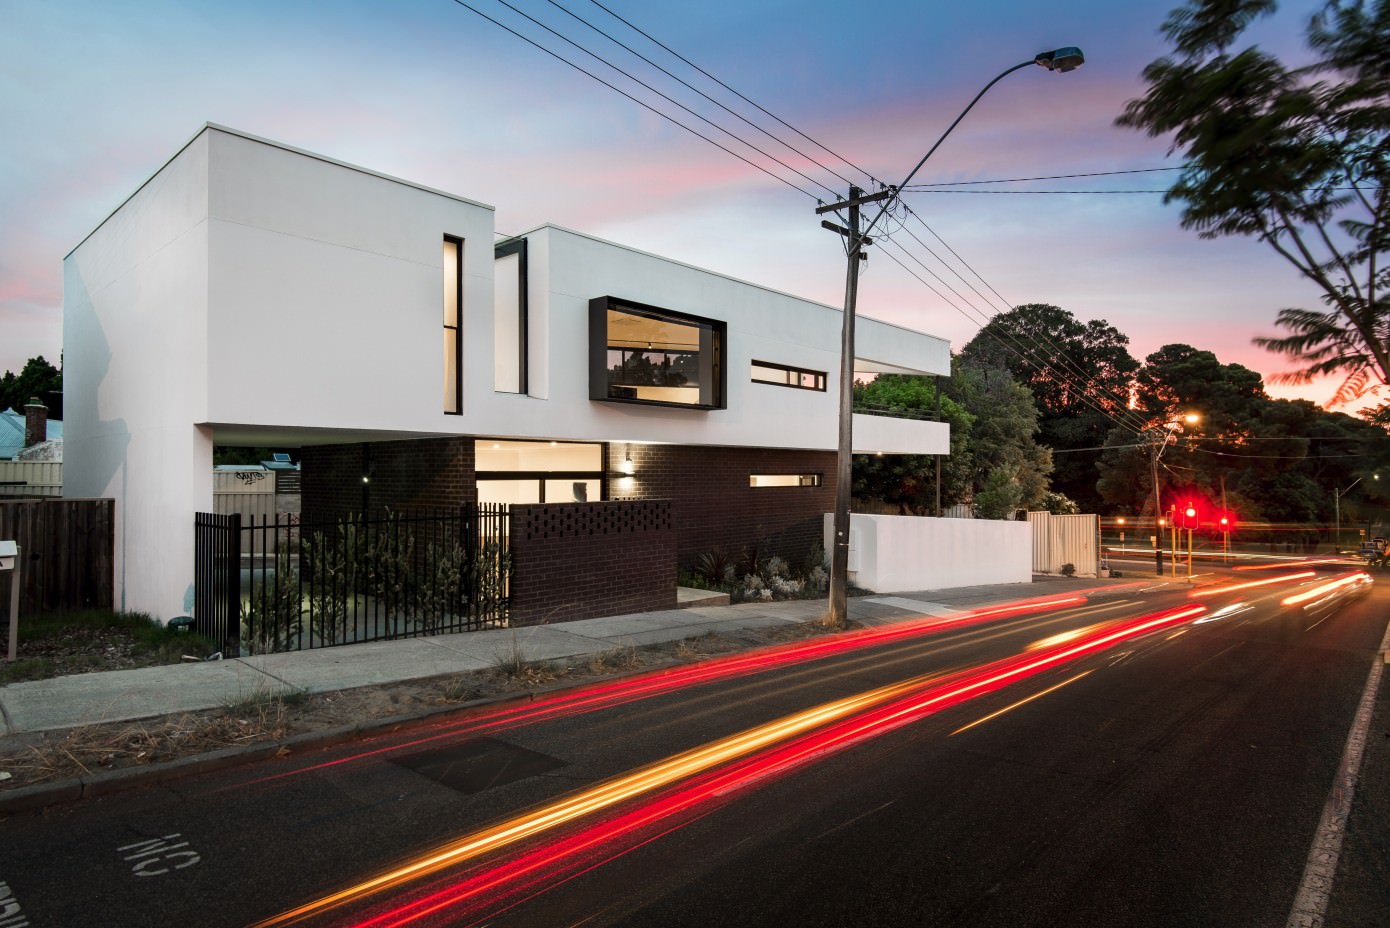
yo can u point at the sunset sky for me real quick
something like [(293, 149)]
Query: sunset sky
[(95, 96)]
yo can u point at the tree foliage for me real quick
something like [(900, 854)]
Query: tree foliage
[(37, 379), (908, 481), (1297, 157), (1003, 446), (1079, 374)]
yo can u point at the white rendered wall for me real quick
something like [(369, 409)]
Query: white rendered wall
[(901, 554), (135, 376), (248, 285), (325, 294), (570, 269)]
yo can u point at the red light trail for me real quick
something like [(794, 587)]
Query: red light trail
[(711, 773), (657, 682)]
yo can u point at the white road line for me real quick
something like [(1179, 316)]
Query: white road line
[(1310, 905)]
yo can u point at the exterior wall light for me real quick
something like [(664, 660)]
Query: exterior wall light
[(628, 467)]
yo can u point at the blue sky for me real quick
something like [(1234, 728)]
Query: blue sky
[(95, 96)]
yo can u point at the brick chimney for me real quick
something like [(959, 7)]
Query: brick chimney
[(35, 422)]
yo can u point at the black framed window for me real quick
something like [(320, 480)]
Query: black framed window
[(759, 481), (453, 324), (784, 375), (509, 317), (646, 354), (513, 472)]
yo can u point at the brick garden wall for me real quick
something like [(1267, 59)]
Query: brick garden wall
[(582, 560), (713, 507)]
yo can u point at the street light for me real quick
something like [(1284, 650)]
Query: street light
[(1060, 60), (1155, 452), (1337, 508)]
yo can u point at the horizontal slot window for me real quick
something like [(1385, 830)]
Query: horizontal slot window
[(784, 376), (784, 480)]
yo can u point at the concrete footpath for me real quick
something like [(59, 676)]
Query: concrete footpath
[(31, 708)]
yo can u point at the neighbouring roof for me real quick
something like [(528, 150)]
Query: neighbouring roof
[(12, 433)]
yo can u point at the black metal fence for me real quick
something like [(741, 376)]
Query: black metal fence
[(286, 583)]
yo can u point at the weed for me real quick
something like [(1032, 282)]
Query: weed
[(463, 688), (264, 701), (623, 657)]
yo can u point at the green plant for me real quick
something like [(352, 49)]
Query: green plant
[(439, 589), (334, 567), (272, 614), (512, 662), (488, 574), (387, 567), (714, 567), (1067, 570)]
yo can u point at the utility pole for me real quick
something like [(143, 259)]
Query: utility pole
[(855, 242)]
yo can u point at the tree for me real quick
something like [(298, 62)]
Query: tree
[(1003, 445), (1079, 375), (1298, 158), (37, 379), (908, 481)]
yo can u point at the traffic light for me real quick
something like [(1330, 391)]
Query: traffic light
[(1189, 516)]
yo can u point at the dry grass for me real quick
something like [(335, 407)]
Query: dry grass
[(266, 717)]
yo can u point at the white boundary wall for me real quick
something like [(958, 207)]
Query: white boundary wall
[(899, 554)]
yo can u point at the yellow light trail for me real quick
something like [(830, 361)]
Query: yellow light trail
[(1022, 702), (605, 795), (687, 764), (1233, 587)]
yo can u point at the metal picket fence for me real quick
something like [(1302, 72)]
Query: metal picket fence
[(287, 583)]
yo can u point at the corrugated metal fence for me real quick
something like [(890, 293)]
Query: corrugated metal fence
[(31, 478), (1062, 540)]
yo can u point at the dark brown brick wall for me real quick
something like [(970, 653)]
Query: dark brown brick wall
[(708, 501), (425, 473), (713, 506), (582, 560)]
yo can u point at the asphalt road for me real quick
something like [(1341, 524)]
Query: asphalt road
[(1167, 775)]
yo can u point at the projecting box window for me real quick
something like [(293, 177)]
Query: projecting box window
[(784, 376), (784, 480), (645, 354)]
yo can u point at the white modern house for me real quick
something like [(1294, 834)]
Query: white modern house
[(253, 294)]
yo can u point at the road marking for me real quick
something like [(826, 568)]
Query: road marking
[(11, 915), (151, 857), (1314, 892)]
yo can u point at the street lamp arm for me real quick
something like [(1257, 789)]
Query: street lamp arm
[(856, 237), (1045, 59)]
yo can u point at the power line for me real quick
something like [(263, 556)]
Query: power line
[(640, 103), (1074, 377), (731, 90), (690, 86), (666, 97), (1018, 180), (1021, 353)]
